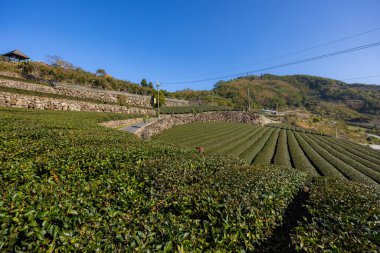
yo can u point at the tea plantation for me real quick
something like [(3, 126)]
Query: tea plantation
[(68, 184), (309, 152)]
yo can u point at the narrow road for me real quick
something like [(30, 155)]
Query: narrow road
[(136, 126), (133, 128)]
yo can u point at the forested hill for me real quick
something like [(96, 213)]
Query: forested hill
[(312, 92)]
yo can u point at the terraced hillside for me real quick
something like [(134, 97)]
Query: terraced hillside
[(283, 145)]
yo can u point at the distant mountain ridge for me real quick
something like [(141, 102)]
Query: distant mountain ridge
[(312, 92)]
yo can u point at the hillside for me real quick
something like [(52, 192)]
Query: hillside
[(320, 95), (62, 71), (68, 184), (283, 145), (311, 92)]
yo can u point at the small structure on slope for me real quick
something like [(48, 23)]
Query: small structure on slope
[(16, 55)]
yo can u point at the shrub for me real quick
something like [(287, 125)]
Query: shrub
[(282, 154), (68, 184), (122, 100), (344, 218), (300, 160), (266, 154)]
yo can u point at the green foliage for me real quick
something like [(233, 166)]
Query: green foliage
[(323, 166), (282, 153), (346, 169), (144, 83), (158, 99), (321, 95), (101, 72), (252, 151), (68, 184), (300, 160), (344, 218), (192, 109), (123, 100), (203, 97), (347, 159), (266, 154), (65, 72), (311, 153), (26, 68)]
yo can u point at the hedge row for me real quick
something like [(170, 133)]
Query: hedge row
[(357, 158), (222, 144), (282, 153), (195, 131), (347, 170), (239, 151), (180, 131), (373, 156), (238, 140), (250, 154), (208, 136), (325, 168), (300, 160), (293, 128), (348, 160), (266, 154)]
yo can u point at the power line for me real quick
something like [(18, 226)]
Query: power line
[(283, 65), (360, 77), (288, 54)]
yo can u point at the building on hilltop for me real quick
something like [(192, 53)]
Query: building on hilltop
[(16, 55)]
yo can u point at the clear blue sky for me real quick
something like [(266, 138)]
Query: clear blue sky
[(182, 39)]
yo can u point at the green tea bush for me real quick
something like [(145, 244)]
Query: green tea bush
[(373, 156), (193, 109), (266, 154), (361, 160), (346, 169), (300, 160), (348, 160), (68, 184), (282, 153), (344, 218), (325, 168), (250, 154)]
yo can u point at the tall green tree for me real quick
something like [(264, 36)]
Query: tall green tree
[(144, 83)]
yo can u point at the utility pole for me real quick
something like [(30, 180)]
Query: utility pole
[(249, 100), (158, 98)]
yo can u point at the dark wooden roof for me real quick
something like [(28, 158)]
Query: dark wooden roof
[(17, 54)]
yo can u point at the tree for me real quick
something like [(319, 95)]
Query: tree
[(101, 72), (144, 83), (150, 85), (26, 69), (154, 101), (57, 61)]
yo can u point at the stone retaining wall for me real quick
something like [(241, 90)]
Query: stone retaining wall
[(167, 122), (34, 102), (85, 92)]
